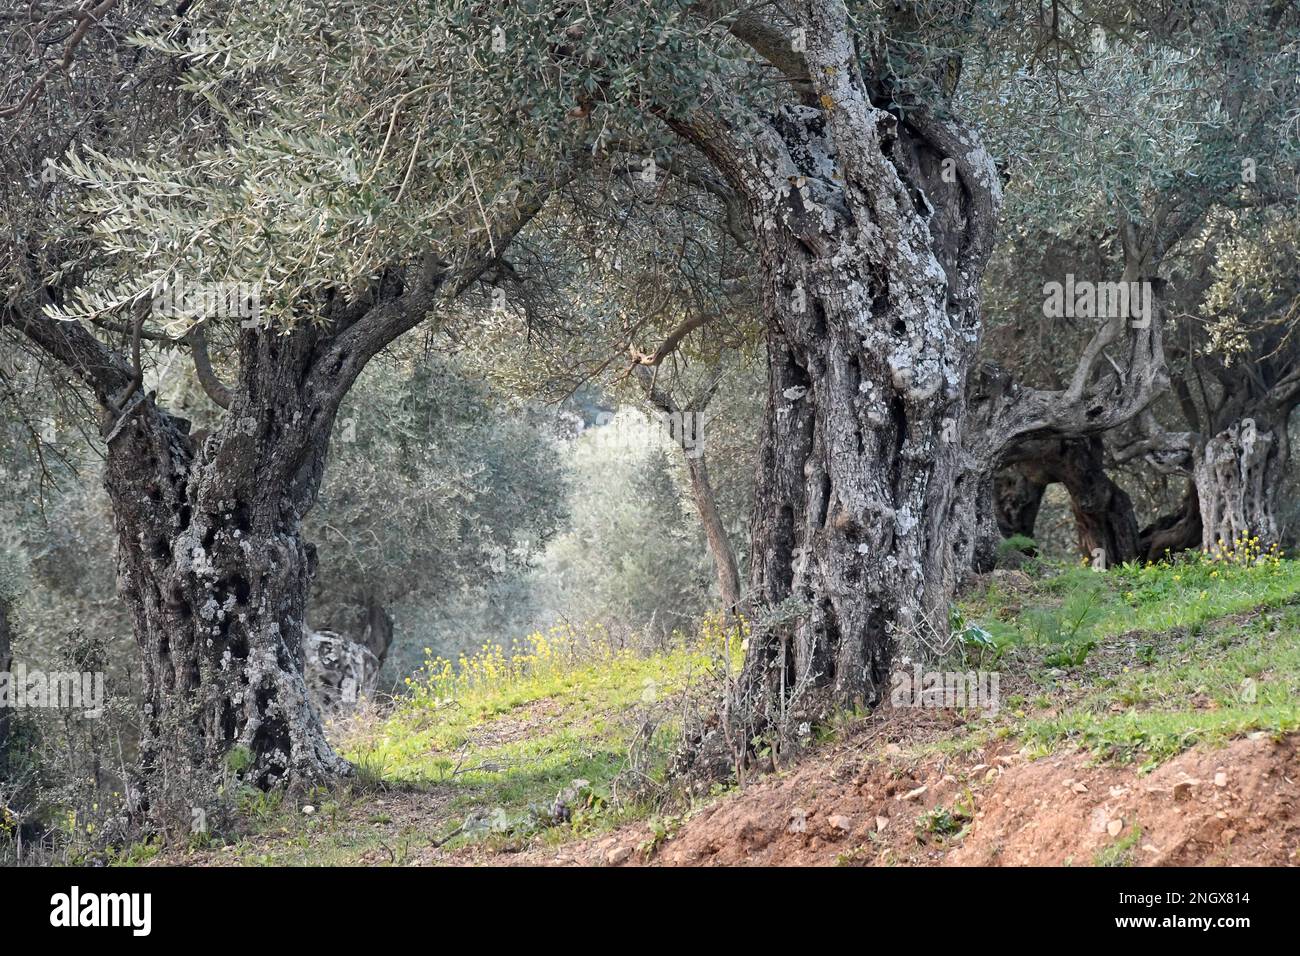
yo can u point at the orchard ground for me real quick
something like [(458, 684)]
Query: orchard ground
[(1147, 716)]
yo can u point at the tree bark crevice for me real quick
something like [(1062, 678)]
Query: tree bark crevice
[(6, 667), (213, 563), (1238, 475), (872, 299)]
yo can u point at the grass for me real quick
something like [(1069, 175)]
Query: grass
[(1120, 853), (481, 751), (1183, 653), (514, 729), (1237, 677), (1153, 598), (1135, 664)]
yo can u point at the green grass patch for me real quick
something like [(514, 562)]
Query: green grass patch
[(1224, 683), (1121, 852), (509, 731), (1079, 603), (1196, 651), (1136, 664)]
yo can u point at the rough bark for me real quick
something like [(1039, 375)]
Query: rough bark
[(212, 562), (6, 666), (1005, 417), (215, 569), (1236, 451), (872, 234), (873, 226), (1118, 375), (1238, 474)]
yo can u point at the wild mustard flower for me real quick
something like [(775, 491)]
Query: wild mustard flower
[(558, 652)]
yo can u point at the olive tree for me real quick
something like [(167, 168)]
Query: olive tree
[(283, 253)]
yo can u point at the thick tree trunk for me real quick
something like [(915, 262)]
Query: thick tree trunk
[(873, 318), (1053, 435), (1238, 476), (215, 570), (873, 228), (987, 533), (6, 666), (212, 562), (1104, 519)]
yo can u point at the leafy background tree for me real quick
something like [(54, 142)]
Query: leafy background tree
[(441, 496)]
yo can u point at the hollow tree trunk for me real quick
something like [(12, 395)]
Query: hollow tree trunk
[(1104, 518), (214, 567), (1238, 476)]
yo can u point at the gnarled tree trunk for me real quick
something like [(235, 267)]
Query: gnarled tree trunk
[(6, 666), (1238, 476), (214, 567), (1104, 520), (212, 561), (872, 298), (873, 228)]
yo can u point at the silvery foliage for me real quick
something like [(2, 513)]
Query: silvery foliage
[(1154, 125), (341, 139)]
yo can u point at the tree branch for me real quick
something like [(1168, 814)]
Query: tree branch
[(674, 339), (208, 379), (86, 17), (772, 43), (103, 370), (388, 319)]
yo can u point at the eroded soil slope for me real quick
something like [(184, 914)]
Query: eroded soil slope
[(865, 803)]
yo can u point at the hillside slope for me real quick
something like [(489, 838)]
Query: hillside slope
[(1147, 716)]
